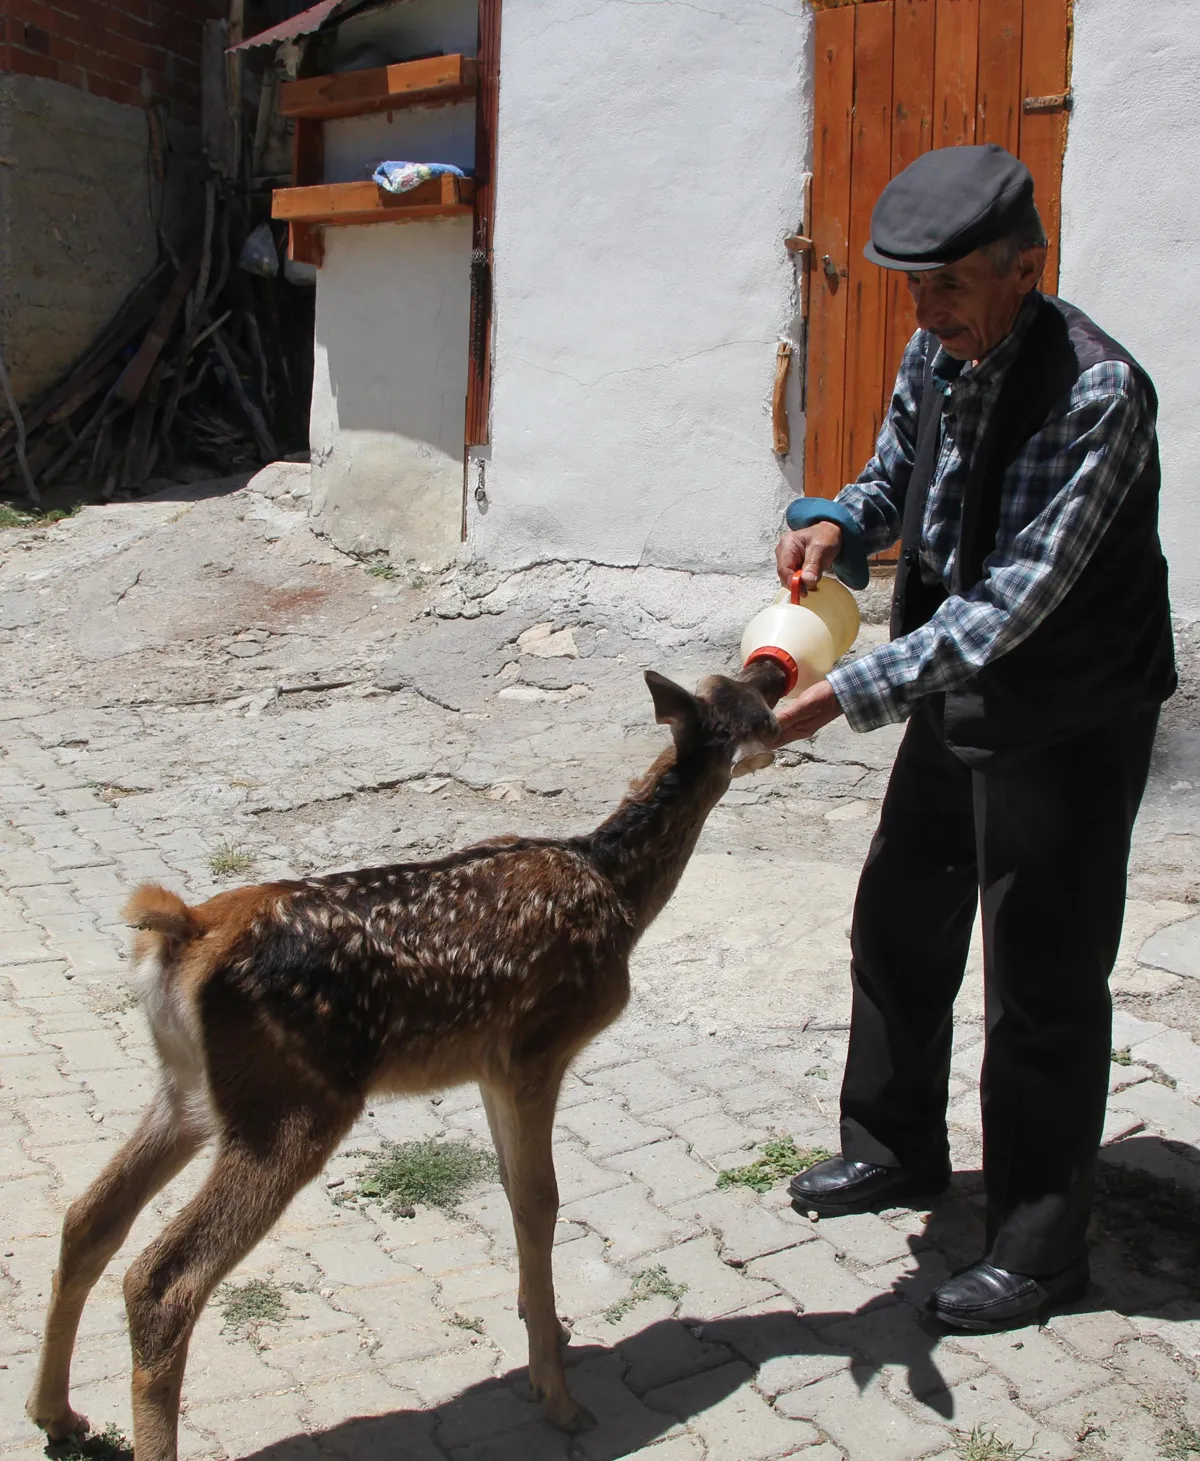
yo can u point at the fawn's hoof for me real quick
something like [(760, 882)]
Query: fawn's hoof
[(568, 1415), (59, 1427)]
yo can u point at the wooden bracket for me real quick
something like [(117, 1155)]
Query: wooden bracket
[(779, 417), (1060, 101)]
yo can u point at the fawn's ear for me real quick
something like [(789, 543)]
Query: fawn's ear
[(673, 706)]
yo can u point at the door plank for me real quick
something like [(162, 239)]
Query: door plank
[(833, 104), (1044, 50), (955, 67), (867, 286), (912, 135), (487, 114), (998, 104)]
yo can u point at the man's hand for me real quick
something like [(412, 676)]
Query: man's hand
[(811, 550), (803, 717)]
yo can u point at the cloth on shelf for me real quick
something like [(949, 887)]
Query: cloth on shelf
[(402, 177)]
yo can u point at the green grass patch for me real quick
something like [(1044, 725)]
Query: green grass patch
[(247, 1307), (981, 1445), (1180, 1442), (13, 517), (428, 1173), (382, 570), (230, 860), (1122, 1056), (648, 1284), (110, 1444), (781, 1158)]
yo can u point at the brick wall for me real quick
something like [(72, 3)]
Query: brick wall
[(132, 51)]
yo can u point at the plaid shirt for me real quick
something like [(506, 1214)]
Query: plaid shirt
[(1059, 496)]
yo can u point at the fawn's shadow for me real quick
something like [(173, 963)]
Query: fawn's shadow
[(1145, 1258)]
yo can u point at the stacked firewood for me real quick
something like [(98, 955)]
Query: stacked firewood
[(206, 368)]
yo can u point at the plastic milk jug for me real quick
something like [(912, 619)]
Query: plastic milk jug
[(806, 636)]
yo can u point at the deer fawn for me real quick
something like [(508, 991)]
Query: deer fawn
[(278, 1010)]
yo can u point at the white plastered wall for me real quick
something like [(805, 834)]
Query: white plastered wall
[(392, 320), (1131, 227), (651, 161)]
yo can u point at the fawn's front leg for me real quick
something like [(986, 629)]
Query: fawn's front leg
[(527, 1122)]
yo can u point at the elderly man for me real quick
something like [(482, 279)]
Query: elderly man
[(1030, 653)]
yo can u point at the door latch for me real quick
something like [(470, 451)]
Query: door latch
[(833, 274)]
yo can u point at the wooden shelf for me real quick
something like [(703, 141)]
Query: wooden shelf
[(335, 204), (381, 89)]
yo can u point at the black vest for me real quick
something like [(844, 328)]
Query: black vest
[(1106, 651)]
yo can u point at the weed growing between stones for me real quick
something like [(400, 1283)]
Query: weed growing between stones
[(110, 1444), (979, 1445), (646, 1285), (382, 570), (1155, 1221), (781, 1158), (1122, 1056), (467, 1321), (246, 1307), (229, 860), (10, 517), (431, 1173), (107, 792), (1180, 1442)]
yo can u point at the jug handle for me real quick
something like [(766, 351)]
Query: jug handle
[(797, 581)]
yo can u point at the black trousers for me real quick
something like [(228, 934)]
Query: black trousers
[(1042, 846)]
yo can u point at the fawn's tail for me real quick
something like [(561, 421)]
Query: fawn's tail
[(157, 910)]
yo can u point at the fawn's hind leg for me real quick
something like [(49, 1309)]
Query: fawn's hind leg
[(95, 1227), (525, 1118), (168, 1285)]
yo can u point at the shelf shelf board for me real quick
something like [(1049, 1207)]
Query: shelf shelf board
[(336, 204), (381, 89)]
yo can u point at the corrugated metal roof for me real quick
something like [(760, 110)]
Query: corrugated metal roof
[(303, 24)]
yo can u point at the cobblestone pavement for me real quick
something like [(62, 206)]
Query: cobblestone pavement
[(196, 674)]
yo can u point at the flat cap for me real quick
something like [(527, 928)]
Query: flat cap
[(947, 204)]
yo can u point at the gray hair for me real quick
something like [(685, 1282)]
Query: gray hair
[(1004, 253)]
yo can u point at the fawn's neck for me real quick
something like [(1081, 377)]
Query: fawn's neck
[(643, 848)]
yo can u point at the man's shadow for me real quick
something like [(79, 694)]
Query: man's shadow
[(1145, 1256)]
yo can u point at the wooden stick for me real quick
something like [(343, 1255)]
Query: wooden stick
[(51, 474), (19, 422), (262, 432), (779, 416), (129, 387)]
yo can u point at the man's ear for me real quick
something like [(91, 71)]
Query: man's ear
[(673, 706)]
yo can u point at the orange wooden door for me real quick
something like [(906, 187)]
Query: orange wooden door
[(895, 78)]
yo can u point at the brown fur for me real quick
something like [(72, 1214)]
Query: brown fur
[(278, 1010)]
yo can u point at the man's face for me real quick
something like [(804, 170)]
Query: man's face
[(968, 306)]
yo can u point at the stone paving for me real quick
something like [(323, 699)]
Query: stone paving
[(379, 717)]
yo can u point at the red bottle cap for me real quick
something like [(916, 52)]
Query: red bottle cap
[(781, 658)]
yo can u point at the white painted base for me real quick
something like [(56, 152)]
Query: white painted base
[(389, 388)]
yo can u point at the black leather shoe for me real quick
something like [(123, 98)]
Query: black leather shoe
[(984, 1298), (838, 1187)]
